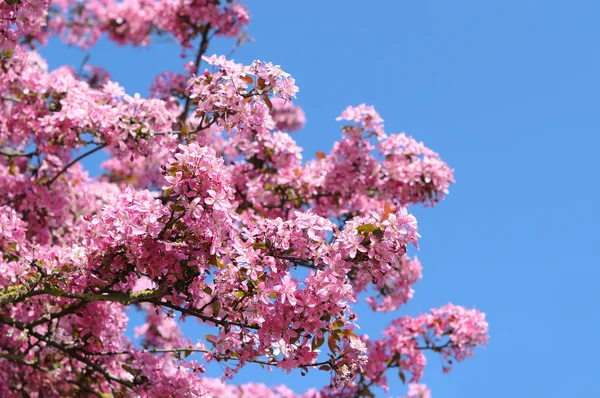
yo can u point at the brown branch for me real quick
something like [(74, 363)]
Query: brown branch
[(201, 51), (77, 159), (199, 315), (74, 354), (68, 351), (394, 363), (205, 351)]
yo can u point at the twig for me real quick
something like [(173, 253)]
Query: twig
[(77, 159), (201, 50)]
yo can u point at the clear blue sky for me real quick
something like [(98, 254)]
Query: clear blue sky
[(508, 93)]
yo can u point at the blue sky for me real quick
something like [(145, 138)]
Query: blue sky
[(507, 93)]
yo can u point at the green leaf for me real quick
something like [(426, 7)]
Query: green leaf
[(211, 338), (216, 307), (367, 228), (258, 245), (184, 129), (75, 331)]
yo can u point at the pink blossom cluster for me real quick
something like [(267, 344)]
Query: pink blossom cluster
[(287, 116), (217, 389), (172, 87), (396, 288), (134, 214), (418, 391), (168, 378), (12, 240), (142, 170), (61, 109), (160, 329), (367, 118), (414, 170), (452, 331), (409, 174), (12, 229), (374, 249), (236, 96), (95, 76), (136, 21), (21, 19)]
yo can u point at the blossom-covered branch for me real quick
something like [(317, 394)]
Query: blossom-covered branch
[(204, 212)]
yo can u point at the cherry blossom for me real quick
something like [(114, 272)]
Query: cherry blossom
[(206, 212)]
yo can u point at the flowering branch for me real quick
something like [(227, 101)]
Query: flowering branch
[(71, 163), (201, 51), (211, 221)]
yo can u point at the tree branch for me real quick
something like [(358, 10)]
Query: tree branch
[(198, 314), (77, 159), (69, 352), (201, 50), (205, 351)]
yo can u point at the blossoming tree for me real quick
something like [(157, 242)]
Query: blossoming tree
[(205, 213)]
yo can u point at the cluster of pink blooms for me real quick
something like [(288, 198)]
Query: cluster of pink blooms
[(21, 19), (237, 97), (12, 236), (61, 108), (126, 22), (451, 331), (418, 391), (136, 21), (413, 171), (287, 116), (205, 212)]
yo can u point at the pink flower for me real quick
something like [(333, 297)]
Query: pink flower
[(218, 200), (286, 290), (418, 391)]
